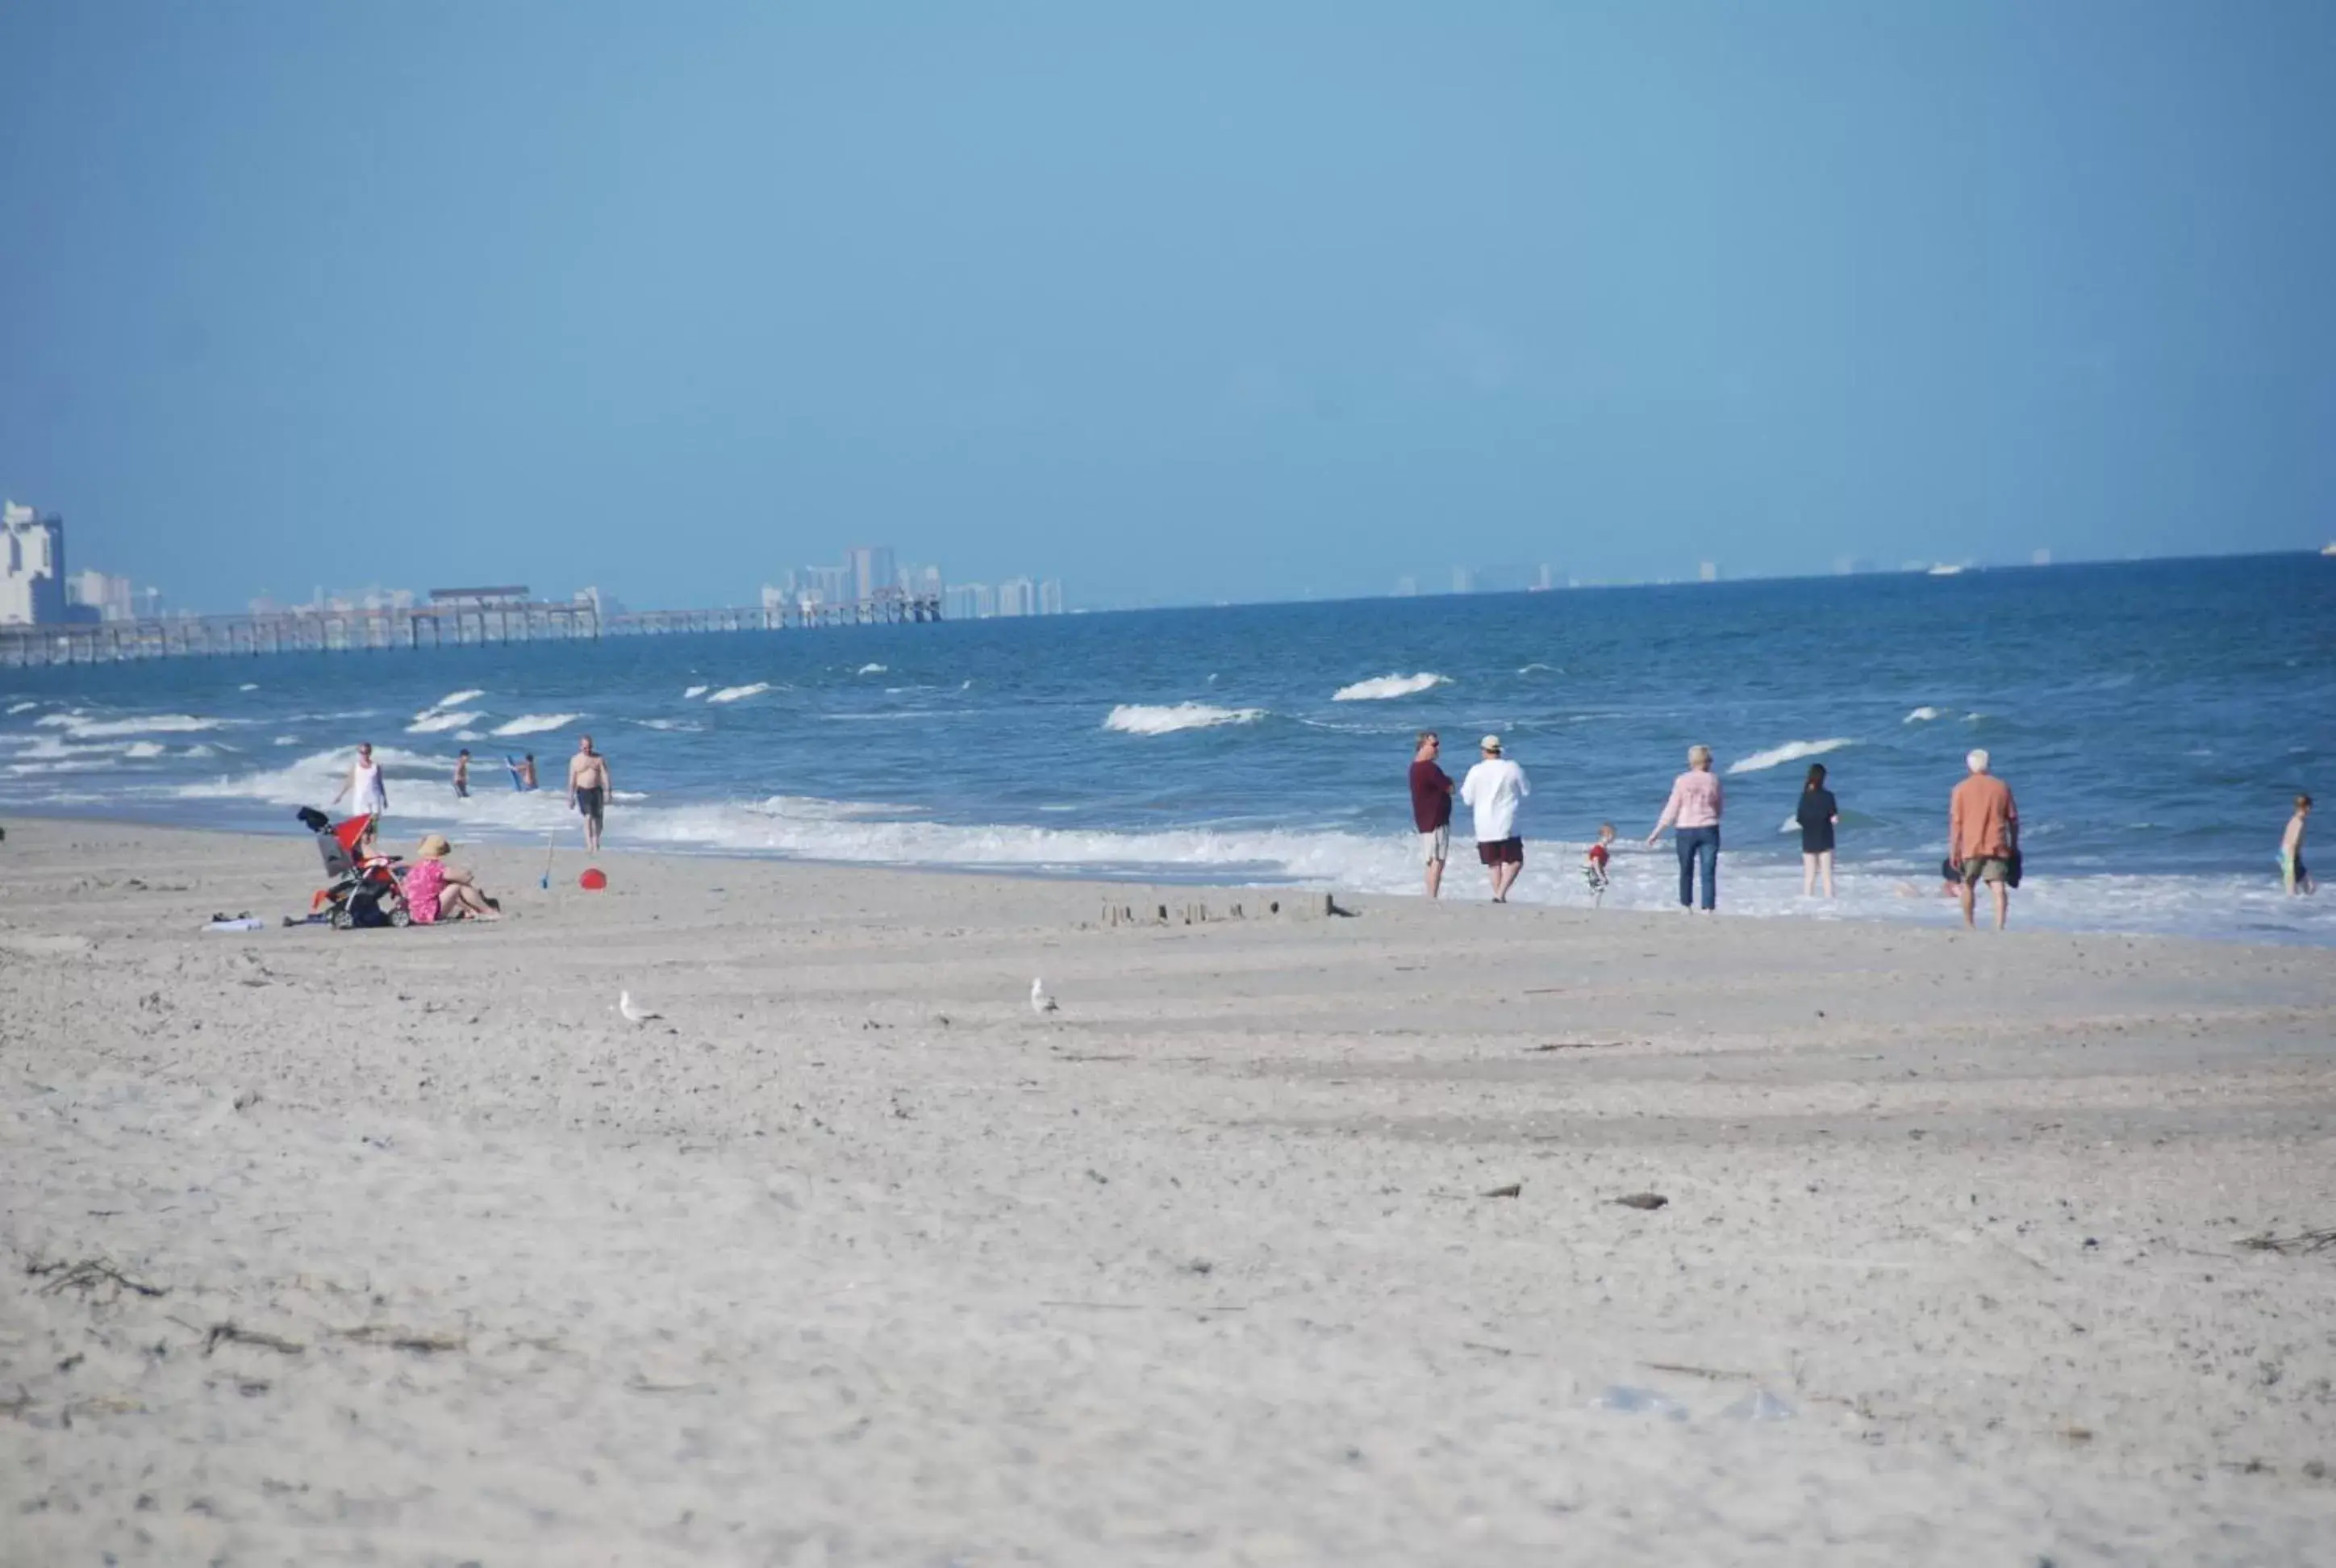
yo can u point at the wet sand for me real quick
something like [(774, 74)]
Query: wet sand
[(852, 1258)]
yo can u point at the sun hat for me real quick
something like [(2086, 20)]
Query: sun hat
[(435, 847), (1490, 742)]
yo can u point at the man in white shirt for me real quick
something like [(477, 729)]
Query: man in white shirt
[(1493, 787)]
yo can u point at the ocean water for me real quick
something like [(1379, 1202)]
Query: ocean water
[(2153, 718)]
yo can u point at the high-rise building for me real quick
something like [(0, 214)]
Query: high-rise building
[(1050, 596), (825, 584), (874, 573), (1463, 581), (1016, 596), (101, 591), (32, 567), (1708, 572), (968, 601), (1407, 588)]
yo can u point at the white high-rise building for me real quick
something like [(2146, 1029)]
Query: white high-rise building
[(32, 567), (1050, 596), (1016, 596), (968, 601), (101, 591)]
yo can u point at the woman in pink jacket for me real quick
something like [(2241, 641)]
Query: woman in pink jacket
[(1695, 806)]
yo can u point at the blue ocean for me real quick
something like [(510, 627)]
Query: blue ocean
[(2154, 719)]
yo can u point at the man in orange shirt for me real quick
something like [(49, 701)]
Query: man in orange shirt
[(1983, 835)]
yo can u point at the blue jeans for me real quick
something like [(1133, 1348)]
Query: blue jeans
[(1701, 844)]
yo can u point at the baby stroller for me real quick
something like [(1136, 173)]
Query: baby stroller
[(361, 889)]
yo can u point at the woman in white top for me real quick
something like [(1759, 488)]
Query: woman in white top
[(367, 795)]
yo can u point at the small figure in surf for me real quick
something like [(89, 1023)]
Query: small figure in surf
[(462, 774), (1695, 806), (1819, 814), (1431, 808), (1593, 864), (369, 794), (1984, 838), (1494, 788), (2293, 874), (588, 788)]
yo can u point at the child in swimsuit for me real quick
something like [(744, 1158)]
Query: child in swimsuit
[(1594, 863)]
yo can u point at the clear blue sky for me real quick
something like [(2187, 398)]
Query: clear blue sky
[(1179, 302)]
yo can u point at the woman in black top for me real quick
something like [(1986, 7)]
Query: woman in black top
[(1817, 814)]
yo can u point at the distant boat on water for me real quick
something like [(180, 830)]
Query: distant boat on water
[(2328, 550), (1943, 569)]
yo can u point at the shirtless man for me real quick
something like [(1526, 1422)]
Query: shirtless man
[(588, 788)]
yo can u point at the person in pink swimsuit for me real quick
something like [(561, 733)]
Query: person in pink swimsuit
[(436, 891)]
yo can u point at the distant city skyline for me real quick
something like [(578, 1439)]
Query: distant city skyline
[(35, 588)]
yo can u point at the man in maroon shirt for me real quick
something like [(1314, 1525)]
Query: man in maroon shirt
[(1431, 808)]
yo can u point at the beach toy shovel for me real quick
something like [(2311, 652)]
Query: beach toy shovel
[(549, 841)]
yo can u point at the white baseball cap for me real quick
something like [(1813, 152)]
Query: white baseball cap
[(1490, 742)]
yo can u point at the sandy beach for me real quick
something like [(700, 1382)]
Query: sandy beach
[(403, 1247)]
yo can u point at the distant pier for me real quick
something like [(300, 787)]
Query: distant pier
[(454, 617)]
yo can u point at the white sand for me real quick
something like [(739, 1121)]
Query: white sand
[(853, 1259)]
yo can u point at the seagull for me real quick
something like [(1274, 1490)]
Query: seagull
[(634, 1012), (1040, 1002)]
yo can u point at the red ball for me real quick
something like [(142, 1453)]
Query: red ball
[(592, 880)]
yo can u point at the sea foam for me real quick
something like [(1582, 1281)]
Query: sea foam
[(1924, 715), (734, 693), (1380, 688), (695, 691), (535, 723), (1791, 750), (873, 669), (1137, 718), (457, 698), (22, 706), (83, 728)]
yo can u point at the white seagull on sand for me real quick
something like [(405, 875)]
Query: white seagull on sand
[(633, 1011), (1040, 1002)]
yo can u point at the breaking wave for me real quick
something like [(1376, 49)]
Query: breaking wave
[(733, 693), (1136, 718), (1924, 715), (535, 723), (1380, 688), (873, 669), (1791, 750), (457, 698), (694, 691)]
